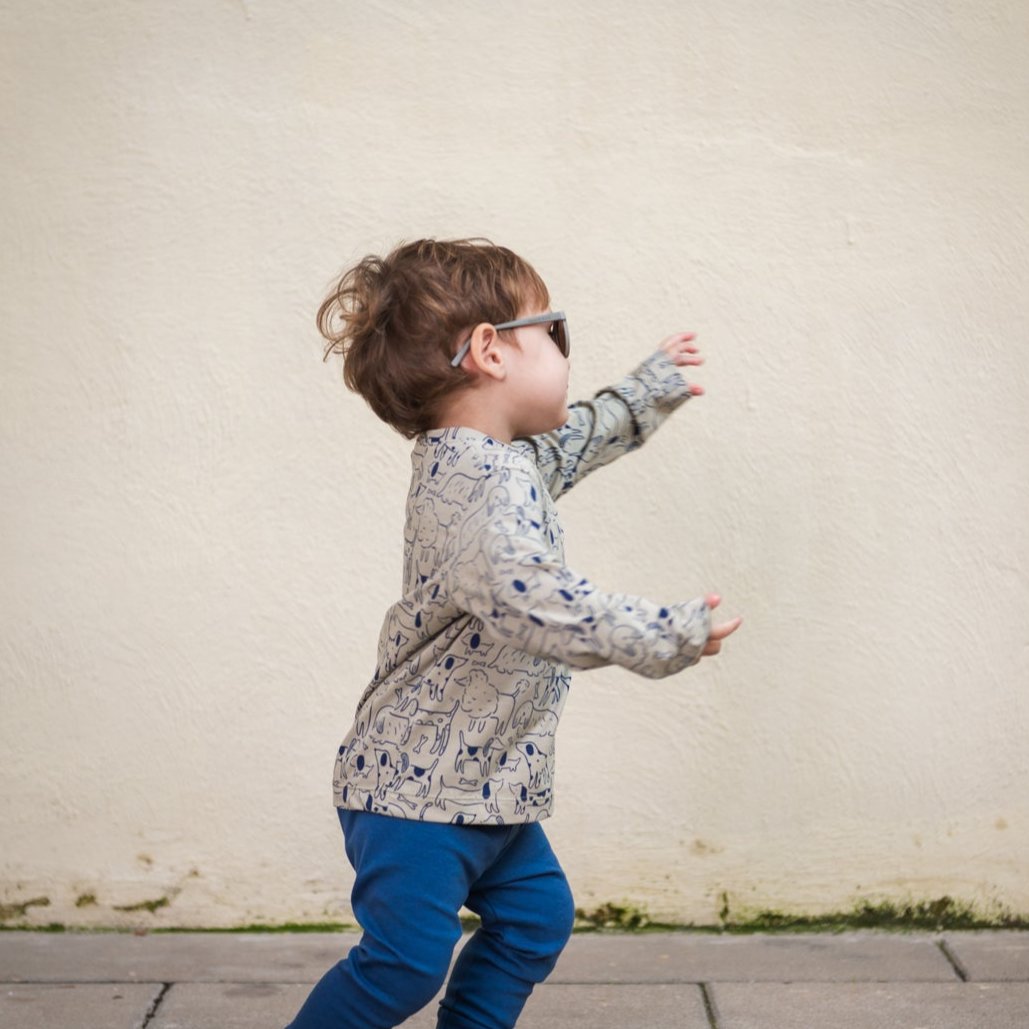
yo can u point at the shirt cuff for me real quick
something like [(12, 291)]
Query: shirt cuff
[(652, 391)]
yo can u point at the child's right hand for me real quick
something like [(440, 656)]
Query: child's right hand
[(681, 350), (718, 632)]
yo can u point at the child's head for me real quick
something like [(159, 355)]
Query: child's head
[(398, 320)]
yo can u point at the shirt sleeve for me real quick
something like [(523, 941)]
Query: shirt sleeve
[(617, 420), (506, 574)]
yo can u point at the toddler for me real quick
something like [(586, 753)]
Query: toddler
[(447, 771)]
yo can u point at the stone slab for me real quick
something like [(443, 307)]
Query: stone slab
[(82, 1006), (599, 1006), (170, 957), (872, 1005), (603, 1006), (230, 1005), (994, 956), (696, 958), (247, 1006)]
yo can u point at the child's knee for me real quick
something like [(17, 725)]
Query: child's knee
[(562, 915), (557, 917)]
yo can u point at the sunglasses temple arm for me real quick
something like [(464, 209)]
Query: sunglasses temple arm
[(460, 355)]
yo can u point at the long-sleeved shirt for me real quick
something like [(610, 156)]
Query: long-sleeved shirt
[(458, 722)]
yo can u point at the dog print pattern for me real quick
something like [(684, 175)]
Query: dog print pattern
[(459, 721)]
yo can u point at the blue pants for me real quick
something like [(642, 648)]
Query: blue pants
[(412, 879)]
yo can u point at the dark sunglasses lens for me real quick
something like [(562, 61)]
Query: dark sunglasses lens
[(561, 336)]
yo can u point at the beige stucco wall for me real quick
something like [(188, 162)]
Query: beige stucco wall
[(201, 528)]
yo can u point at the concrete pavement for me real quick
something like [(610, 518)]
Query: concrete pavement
[(854, 980)]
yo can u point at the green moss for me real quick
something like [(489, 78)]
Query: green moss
[(618, 918), (935, 915), (264, 927), (50, 927), (945, 913)]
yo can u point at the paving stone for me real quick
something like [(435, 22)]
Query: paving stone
[(246, 1006), (230, 1005), (603, 1006), (994, 956), (600, 1006), (170, 957), (84, 1006), (872, 1005), (693, 957)]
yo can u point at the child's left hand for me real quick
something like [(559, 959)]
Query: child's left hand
[(681, 350)]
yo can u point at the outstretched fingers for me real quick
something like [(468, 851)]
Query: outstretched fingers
[(683, 352), (681, 348), (720, 631)]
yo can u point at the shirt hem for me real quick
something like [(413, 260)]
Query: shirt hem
[(398, 806)]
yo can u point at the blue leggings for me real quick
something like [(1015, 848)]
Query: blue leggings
[(412, 879)]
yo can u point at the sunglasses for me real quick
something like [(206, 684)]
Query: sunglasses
[(558, 332)]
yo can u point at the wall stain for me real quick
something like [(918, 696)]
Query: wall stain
[(622, 917), (9, 911), (144, 905), (702, 848)]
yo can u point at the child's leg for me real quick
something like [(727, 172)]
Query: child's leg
[(527, 914), (412, 879)]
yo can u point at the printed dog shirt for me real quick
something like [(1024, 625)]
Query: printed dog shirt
[(458, 723)]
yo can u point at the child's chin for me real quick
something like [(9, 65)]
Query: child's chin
[(559, 419)]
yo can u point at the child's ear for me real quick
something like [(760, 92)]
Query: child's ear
[(486, 353)]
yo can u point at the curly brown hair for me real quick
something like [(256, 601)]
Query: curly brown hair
[(398, 320)]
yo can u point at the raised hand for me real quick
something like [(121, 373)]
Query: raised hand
[(681, 350), (718, 632)]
